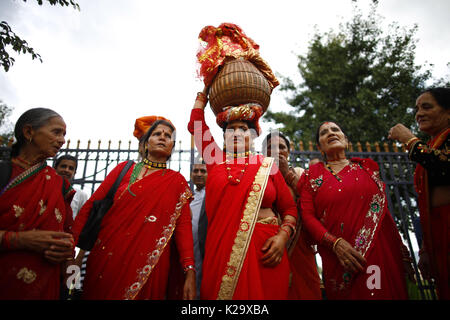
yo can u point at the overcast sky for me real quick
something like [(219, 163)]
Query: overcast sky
[(117, 60)]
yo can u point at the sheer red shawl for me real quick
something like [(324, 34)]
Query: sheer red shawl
[(35, 203), (131, 257), (356, 210)]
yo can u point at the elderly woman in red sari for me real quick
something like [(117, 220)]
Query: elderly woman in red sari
[(147, 226), (245, 250), (35, 213), (344, 208), (432, 182)]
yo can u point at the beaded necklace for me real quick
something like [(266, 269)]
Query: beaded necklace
[(239, 154), (332, 172), (154, 165), (232, 179), (22, 161)]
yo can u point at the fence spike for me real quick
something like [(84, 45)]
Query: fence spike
[(129, 144), (89, 144), (120, 142), (386, 147), (78, 144), (310, 146), (99, 142), (403, 147), (358, 145), (68, 143), (301, 146), (350, 146), (109, 144), (394, 144), (377, 147), (368, 147)]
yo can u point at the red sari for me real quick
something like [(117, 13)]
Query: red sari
[(131, 257), (40, 200), (305, 282), (229, 272), (356, 210), (435, 221)]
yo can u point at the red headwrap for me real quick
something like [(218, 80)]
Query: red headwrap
[(142, 124), (244, 112), (228, 40)]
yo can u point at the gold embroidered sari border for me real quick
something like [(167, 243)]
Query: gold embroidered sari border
[(245, 231), (162, 241)]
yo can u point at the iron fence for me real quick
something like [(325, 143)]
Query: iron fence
[(396, 170)]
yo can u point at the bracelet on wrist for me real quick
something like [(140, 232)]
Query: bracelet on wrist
[(410, 142), (6, 240), (335, 243), (289, 236), (290, 225), (202, 97), (189, 267), (328, 239)]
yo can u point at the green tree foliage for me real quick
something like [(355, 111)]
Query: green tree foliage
[(10, 40), (362, 79), (6, 129)]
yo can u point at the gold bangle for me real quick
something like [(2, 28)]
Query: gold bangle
[(335, 243), (201, 97), (410, 141)]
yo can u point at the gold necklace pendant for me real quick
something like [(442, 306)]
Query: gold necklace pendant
[(232, 179)]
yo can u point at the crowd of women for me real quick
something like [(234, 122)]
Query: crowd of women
[(265, 219)]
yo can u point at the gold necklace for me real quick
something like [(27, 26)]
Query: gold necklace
[(239, 154), (154, 165), (232, 179)]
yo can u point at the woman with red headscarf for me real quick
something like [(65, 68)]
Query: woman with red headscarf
[(134, 252), (245, 250)]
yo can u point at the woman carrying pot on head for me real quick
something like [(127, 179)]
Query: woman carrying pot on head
[(432, 182), (245, 250), (344, 209), (148, 223), (35, 213)]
